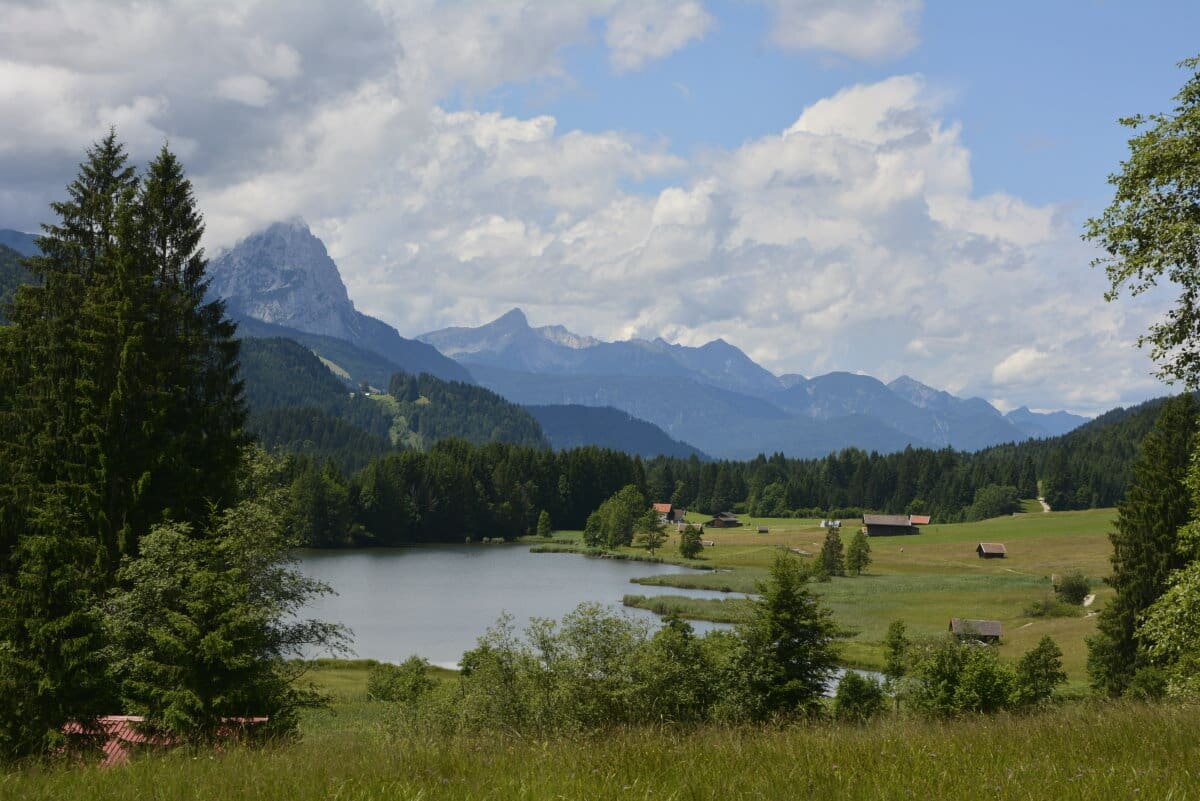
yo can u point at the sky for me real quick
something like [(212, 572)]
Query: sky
[(879, 186)]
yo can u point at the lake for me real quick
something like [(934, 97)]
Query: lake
[(435, 601)]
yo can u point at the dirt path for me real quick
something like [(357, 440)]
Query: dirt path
[(1045, 506)]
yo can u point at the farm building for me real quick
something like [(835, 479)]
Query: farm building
[(669, 513), (919, 520), (888, 525), (982, 630), (723, 520), (991, 550)]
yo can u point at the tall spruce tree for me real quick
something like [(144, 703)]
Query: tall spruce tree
[(118, 411), (1145, 544)]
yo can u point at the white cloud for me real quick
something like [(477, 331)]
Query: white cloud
[(251, 90), (851, 240), (1021, 366), (863, 29), (640, 32)]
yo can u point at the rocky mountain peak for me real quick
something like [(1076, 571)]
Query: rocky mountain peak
[(283, 275)]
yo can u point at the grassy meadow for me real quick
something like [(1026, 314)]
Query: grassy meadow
[(923, 580), (359, 750)]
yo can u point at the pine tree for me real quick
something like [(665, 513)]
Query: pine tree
[(1145, 543), (119, 409), (788, 645), (543, 525), (832, 558), (858, 555)]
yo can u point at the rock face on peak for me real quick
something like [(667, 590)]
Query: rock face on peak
[(282, 275)]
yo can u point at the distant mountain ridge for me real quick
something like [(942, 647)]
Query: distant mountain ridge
[(717, 398), (21, 242), (282, 275)]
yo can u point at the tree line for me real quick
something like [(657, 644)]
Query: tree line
[(456, 489)]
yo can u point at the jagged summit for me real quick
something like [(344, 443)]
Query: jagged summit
[(283, 275)]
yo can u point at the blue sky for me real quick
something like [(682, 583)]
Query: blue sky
[(1037, 86), (882, 186)]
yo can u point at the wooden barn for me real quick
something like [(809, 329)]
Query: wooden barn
[(888, 525), (724, 520), (991, 550), (983, 630)]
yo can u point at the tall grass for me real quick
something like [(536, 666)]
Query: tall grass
[(1080, 752)]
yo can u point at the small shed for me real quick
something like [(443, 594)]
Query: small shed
[(724, 520), (919, 520), (991, 550), (763, 530), (983, 630), (887, 525)]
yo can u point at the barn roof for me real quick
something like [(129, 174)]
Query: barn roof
[(919, 520), (664, 508), (991, 547), (984, 628), (116, 735), (886, 520)]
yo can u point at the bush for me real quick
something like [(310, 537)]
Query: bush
[(858, 698), (1147, 684), (405, 683), (1073, 588), (690, 544), (1038, 672), (1052, 607)]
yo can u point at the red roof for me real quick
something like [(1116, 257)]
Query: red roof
[(120, 732), (664, 508), (919, 520)]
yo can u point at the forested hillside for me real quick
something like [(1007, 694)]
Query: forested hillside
[(12, 275), (298, 406), (429, 409), (572, 426)]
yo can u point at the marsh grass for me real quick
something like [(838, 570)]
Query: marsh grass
[(356, 753)]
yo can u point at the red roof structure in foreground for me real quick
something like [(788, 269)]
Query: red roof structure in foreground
[(918, 520), (119, 735)]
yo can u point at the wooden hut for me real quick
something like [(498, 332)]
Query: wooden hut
[(982, 630), (888, 525), (724, 520), (991, 550)]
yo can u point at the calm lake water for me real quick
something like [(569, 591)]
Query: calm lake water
[(435, 601)]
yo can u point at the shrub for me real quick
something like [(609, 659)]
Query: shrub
[(1038, 672), (858, 698), (690, 544), (1052, 607), (1147, 684), (1073, 588), (403, 683)]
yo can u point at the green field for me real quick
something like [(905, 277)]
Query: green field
[(923, 580), (358, 750)]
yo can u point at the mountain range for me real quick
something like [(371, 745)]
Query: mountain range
[(281, 282), (717, 398)]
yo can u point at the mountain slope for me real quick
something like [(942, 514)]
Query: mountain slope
[(510, 343), (283, 275), (297, 405), (21, 242), (427, 409), (1044, 424), (721, 423), (574, 426), (12, 275)]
